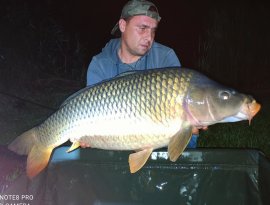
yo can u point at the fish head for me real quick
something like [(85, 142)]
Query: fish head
[(208, 102)]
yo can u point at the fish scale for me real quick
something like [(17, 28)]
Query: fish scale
[(140, 111), (98, 108)]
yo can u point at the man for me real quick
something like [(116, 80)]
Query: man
[(135, 49)]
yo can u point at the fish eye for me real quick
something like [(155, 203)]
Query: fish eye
[(224, 95)]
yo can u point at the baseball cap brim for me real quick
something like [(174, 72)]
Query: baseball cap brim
[(135, 8)]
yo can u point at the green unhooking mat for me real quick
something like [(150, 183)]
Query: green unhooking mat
[(98, 177)]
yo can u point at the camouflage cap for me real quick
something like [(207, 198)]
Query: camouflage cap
[(137, 7)]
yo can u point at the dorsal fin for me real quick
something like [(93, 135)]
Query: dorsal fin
[(74, 95), (130, 72)]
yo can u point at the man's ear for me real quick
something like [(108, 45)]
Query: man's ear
[(122, 25)]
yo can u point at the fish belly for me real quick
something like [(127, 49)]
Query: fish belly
[(127, 134)]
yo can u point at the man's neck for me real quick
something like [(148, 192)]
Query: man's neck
[(126, 57)]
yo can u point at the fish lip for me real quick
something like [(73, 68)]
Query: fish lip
[(250, 110)]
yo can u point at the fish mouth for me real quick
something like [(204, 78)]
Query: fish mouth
[(251, 109), (247, 112)]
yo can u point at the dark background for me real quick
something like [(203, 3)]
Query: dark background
[(56, 39)]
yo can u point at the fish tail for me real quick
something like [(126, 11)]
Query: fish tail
[(23, 144), (38, 156)]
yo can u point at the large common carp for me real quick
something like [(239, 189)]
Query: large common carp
[(140, 111)]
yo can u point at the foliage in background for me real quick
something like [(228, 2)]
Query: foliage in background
[(234, 51), (34, 46), (38, 58), (234, 47)]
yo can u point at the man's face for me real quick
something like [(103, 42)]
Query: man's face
[(138, 34)]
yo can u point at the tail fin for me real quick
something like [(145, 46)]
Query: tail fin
[(23, 144), (38, 156)]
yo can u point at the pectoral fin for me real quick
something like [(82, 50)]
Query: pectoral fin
[(179, 142), (74, 146), (138, 159)]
